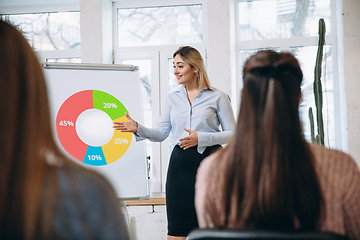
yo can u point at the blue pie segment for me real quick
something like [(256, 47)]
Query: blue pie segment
[(94, 156)]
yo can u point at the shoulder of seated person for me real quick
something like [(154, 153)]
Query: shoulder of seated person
[(318, 151), (328, 157)]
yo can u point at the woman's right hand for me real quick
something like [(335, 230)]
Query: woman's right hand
[(129, 126)]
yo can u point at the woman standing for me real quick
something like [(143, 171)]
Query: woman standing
[(43, 194), (194, 113), (269, 177)]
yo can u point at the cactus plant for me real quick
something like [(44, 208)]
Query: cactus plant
[(317, 88), (311, 118)]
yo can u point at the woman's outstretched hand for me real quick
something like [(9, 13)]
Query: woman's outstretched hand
[(189, 141), (129, 126)]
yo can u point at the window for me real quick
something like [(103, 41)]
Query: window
[(49, 31), (55, 36), (278, 19), (159, 25), (292, 26), (147, 36)]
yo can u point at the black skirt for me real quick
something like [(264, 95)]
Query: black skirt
[(180, 189)]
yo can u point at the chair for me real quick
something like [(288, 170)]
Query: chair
[(247, 234)]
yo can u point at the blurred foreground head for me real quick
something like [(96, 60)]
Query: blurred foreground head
[(24, 110), (25, 135)]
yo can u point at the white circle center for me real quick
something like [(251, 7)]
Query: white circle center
[(94, 127)]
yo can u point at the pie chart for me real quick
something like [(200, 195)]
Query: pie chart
[(84, 126)]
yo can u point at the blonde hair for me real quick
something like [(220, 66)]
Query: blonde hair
[(192, 56)]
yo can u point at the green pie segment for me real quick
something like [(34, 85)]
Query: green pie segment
[(109, 104)]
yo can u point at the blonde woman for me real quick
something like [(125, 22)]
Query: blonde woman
[(201, 119)]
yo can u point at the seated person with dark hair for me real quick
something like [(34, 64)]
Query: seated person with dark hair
[(269, 177)]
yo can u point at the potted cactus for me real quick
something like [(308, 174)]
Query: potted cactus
[(317, 88)]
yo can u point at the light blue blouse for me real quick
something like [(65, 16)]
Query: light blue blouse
[(209, 110)]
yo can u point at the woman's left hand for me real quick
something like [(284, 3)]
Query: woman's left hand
[(189, 141)]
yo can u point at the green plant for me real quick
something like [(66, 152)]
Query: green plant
[(317, 88)]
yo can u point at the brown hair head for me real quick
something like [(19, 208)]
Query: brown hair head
[(192, 56), (269, 180), (25, 138)]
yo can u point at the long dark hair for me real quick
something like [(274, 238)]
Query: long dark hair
[(270, 180)]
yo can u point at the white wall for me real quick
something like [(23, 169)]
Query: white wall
[(96, 31), (351, 73), (218, 49)]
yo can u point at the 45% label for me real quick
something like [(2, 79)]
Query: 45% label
[(66, 123)]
